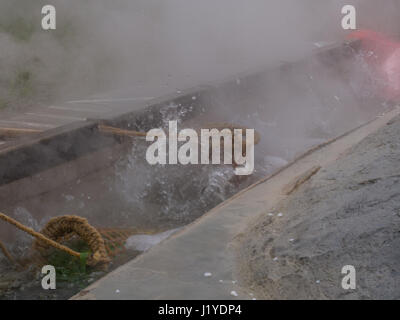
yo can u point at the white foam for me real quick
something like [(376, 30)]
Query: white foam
[(143, 242)]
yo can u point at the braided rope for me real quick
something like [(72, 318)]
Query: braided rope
[(15, 132), (217, 125), (7, 253), (120, 132), (38, 235), (60, 228), (104, 243)]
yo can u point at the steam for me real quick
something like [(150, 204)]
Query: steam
[(102, 45), (165, 45)]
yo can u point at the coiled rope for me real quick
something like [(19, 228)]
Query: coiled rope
[(65, 227), (58, 229)]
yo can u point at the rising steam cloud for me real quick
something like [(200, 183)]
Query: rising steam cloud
[(101, 45)]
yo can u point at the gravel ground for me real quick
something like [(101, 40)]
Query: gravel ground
[(347, 214)]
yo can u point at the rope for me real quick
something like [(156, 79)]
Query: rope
[(120, 132), (38, 235), (60, 228), (13, 132), (7, 253), (104, 243), (217, 125), (131, 133), (115, 238)]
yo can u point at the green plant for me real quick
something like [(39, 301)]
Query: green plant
[(68, 268)]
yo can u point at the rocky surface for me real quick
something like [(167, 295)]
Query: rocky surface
[(347, 214)]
